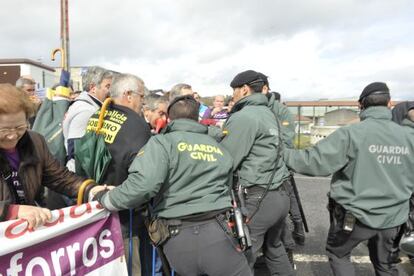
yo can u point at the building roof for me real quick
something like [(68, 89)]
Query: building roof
[(353, 121), (25, 61), (342, 110), (302, 119)]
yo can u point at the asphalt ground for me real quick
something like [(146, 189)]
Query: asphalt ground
[(310, 259)]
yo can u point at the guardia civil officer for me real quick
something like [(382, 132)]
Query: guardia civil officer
[(254, 140), (403, 114), (285, 120), (281, 112), (188, 176), (371, 184)]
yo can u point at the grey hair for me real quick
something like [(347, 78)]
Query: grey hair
[(94, 76), (22, 81), (176, 90), (152, 101), (146, 91), (125, 82)]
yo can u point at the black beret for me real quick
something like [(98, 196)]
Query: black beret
[(264, 78), (374, 88), (246, 77)]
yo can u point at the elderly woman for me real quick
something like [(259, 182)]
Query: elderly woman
[(26, 163)]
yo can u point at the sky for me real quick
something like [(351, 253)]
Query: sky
[(310, 49)]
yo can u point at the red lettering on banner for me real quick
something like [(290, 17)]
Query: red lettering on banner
[(73, 214), (58, 220), (9, 230)]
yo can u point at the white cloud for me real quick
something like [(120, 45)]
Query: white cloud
[(310, 49)]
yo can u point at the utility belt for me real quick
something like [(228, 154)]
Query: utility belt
[(257, 189), (338, 215), (162, 229)]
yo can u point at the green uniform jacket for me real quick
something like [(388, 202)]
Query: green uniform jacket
[(408, 123), (372, 162), (185, 171), (252, 140), (48, 122), (285, 118)]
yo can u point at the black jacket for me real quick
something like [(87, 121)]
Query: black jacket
[(125, 134), (400, 111)]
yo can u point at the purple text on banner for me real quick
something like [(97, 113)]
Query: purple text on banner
[(75, 253)]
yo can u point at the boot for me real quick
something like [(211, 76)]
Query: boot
[(298, 233)]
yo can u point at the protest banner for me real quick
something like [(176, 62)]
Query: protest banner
[(78, 240)]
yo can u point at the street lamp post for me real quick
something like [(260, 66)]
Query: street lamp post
[(64, 37), (64, 33)]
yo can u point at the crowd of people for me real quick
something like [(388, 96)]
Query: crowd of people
[(211, 187)]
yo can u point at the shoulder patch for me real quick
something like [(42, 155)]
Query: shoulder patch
[(285, 123)]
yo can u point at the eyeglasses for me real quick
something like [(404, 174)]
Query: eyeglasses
[(6, 131)]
